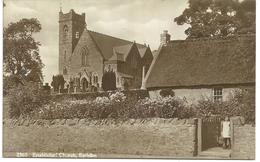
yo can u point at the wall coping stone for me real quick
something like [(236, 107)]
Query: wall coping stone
[(94, 122)]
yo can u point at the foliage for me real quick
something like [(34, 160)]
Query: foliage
[(218, 18), (10, 82), (26, 99), (240, 103), (109, 80), (29, 102), (21, 51), (58, 82), (163, 107), (116, 105), (101, 107), (167, 92)]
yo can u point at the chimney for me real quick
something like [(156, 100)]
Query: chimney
[(165, 37)]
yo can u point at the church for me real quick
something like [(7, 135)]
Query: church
[(85, 55)]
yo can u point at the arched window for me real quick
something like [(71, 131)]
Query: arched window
[(84, 57), (96, 79), (65, 30), (65, 71), (65, 55), (77, 35)]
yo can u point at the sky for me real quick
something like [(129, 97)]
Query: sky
[(135, 20)]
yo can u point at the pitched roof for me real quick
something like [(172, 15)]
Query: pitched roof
[(106, 43), (124, 50), (204, 62)]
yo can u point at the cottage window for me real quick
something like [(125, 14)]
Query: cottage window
[(217, 94)]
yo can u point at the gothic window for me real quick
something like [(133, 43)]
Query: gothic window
[(65, 30), (65, 71), (65, 55), (95, 79), (84, 57), (77, 34), (217, 94)]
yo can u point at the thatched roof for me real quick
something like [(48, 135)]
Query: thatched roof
[(203, 62)]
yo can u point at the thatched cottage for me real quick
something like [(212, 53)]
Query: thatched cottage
[(197, 68)]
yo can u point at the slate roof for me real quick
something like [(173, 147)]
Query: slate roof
[(106, 44), (204, 62), (123, 50)]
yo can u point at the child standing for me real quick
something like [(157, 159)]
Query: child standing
[(226, 132)]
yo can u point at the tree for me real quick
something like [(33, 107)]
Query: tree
[(109, 80), (21, 50), (218, 18), (58, 83)]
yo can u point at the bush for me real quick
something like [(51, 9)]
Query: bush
[(109, 80), (167, 92), (116, 105), (58, 83), (240, 103), (24, 100), (163, 107)]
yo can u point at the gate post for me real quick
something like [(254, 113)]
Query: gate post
[(199, 136), (232, 134)]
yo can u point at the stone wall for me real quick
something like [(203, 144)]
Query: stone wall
[(243, 144), (155, 137)]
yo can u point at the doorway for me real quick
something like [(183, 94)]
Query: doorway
[(84, 84)]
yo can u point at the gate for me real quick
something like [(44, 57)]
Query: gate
[(210, 132)]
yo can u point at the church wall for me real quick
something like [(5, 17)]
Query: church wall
[(94, 57), (133, 66), (65, 44), (147, 60), (68, 40)]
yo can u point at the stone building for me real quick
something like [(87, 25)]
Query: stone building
[(85, 55), (209, 68)]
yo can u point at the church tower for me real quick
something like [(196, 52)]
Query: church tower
[(71, 26)]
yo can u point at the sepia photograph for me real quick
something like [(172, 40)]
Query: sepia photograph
[(129, 79)]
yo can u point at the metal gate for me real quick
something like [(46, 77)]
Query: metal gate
[(210, 132)]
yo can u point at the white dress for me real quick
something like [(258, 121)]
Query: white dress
[(226, 129)]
